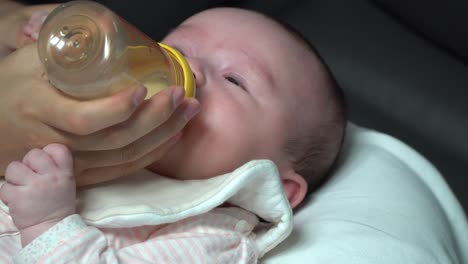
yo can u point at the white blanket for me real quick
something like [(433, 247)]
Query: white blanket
[(145, 198), (385, 204)]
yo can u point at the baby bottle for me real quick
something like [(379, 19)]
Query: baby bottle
[(89, 52)]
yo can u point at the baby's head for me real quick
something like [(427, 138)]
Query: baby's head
[(264, 94)]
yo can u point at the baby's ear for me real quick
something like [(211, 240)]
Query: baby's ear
[(295, 187)]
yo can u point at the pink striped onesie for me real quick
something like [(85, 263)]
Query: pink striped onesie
[(148, 218), (223, 235)]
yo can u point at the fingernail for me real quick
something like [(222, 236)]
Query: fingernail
[(191, 110), (177, 96), (139, 95)]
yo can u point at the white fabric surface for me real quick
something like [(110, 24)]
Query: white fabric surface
[(145, 198), (385, 204)]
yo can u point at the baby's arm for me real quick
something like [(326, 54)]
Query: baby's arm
[(40, 191), (188, 241), (207, 238)]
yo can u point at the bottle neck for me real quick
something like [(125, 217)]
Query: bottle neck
[(183, 73)]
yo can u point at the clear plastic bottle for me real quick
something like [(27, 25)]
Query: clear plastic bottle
[(89, 52)]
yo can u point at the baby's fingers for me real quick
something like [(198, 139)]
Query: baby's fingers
[(39, 161), (34, 24), (8, 193), (61, 156), (18, 174), (103, 174)]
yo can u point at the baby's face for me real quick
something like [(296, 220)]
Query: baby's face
[(251, 79)]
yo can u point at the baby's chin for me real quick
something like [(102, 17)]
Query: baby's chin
[(179, 171), (160, 168), (168, 166)]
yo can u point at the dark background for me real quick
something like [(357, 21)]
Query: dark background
[(402, 64)]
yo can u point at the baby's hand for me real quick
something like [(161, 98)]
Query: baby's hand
[(41, 188), (20, 26), (30, 31)]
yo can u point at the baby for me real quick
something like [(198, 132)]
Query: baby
[(264, 94)]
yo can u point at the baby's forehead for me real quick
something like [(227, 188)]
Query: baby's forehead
[(233, 19), (259, 36), (226, 13)]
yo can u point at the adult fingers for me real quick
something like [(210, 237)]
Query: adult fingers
[(142, 146), (103, 174), (152, 114), (52, 107), (25, 62), (86, 117)]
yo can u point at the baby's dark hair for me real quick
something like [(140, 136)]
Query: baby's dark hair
[(315, 155)]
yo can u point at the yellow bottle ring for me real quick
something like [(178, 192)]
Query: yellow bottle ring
[(188, 79)]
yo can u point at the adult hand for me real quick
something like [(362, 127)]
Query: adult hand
[(109, 137)]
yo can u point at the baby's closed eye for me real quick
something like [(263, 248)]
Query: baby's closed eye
[(233, 80)]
